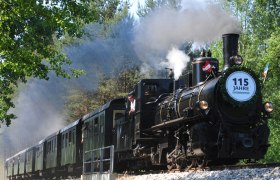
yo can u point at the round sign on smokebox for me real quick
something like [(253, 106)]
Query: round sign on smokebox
[(240, 86)]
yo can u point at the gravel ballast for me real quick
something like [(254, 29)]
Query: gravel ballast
[(261, 173)]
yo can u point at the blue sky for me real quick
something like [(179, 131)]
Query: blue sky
[(134, 6)]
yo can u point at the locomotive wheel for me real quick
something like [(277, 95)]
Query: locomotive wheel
[(201, 163), (190, 163), (181, 164), (171, 166)]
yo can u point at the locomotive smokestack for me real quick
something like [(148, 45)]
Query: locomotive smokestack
[(230, 48)]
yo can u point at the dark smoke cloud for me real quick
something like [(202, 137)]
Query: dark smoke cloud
[(40, 103), (38, 114)]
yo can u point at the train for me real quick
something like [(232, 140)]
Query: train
[(216, 117)]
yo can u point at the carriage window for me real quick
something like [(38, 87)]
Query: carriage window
[(102, 129), (37, 152), (55, 144), (70, 137), (74, 138), (96, 126), (66, 139), (49, 146), (117, 114), (62, 144), (85, 130), (96, 121)]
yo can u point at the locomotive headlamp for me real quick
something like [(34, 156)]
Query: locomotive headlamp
[(203, 105), (268, 107), (236, 60)]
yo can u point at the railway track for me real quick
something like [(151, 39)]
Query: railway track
[(130, 175), (207, 168), (245, 166)]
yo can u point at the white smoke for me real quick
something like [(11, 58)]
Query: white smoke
[(197, 21), (177, 60)]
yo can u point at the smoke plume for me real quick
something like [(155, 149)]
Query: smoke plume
[(39, 114), (165, 27), (177, 60), (40, 103)]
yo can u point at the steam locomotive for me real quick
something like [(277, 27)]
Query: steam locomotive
[(217, 117)]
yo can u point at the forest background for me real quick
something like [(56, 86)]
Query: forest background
[(39, 43)]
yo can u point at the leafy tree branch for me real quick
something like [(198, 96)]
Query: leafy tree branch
[(29, 35)]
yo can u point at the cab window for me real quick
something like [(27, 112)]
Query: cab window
[(150, 92)]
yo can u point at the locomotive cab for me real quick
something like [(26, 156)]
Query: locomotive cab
[(147, 93)]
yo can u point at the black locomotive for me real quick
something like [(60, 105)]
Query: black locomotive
[(218, 117)]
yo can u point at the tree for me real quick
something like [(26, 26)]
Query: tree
[(118, 85), (80, 102), (150, 5), (271, 92), (32, 34), (259, 45)]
